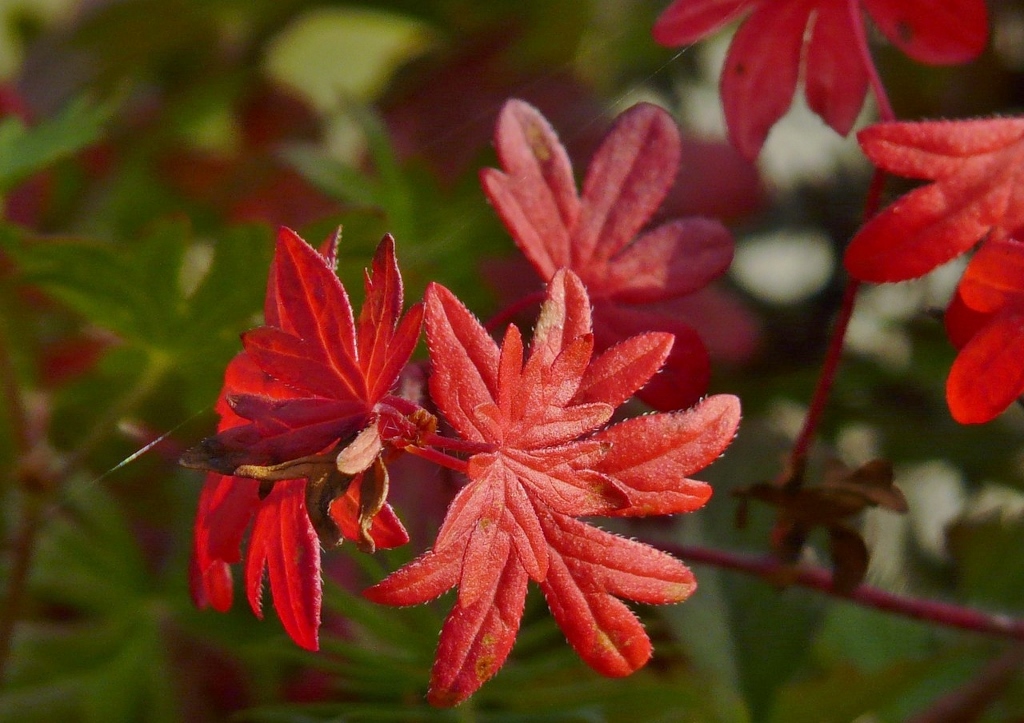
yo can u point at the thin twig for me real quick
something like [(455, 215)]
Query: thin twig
[(834, 353), (820, 579)]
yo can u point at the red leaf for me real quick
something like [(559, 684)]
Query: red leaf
[(596, 235), (761, 70), (995, 277), (961, 321), (835, 79), (476, 639), (683, 23), (308, 379), (593, 568), (387, 531), (652, 456), (322, 383), (976, 169), (779, 41), (283, 542), (953, 31), (987, 375), (539, 467)]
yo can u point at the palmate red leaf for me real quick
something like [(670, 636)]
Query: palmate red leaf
[(539, 467), (779, 42), (311, 377), (596, 233), (978, 171)]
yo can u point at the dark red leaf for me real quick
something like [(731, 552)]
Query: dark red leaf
[(284, 542)]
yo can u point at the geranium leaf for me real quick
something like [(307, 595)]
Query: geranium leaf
[(283, 541), (976, 169), (761, 71), (627, 180), (476, 640), (595, 234), (653, 456), (539, 466), (953, 32), (987, 374)]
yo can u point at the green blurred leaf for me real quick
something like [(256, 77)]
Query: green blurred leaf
[(26, 150), (103, 659), (986, 574), (844, 693), (343, 52), (155, 292)]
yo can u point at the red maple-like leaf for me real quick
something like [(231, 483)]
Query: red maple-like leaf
[(986, 321), (542, 461), (817, 39), (632, 280), (978, 171), (311, 377)]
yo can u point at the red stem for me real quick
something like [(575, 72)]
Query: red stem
[(885, 111), (820, 579), (457, 445), (439, 458), (834, 353), (819, 400), (969, 701)]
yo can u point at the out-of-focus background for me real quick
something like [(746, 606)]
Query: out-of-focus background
[(148, 149)]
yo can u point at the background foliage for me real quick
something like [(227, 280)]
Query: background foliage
[(147, 150)]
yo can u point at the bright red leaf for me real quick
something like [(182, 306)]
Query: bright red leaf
[(541, 463), (988, 310), (596, 234), (978, 171), (313, 377), (779, 42)]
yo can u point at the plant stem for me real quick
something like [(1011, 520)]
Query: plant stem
[(439, 458), (12, 398), (820, 579), (885, 111), (969, 701), (819, 399), (833, 355)]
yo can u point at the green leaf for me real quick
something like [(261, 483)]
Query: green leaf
[(26, 150), (332, 53), (334, 178), (154, 292), (844, 693), (987, 574)]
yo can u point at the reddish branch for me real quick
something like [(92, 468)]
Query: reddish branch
[(819, 400), (820, 579)]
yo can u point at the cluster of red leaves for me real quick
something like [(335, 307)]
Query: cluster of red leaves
[(976, 171), (309, 421), (637, 284), (309, 378), (541, 464), (822, 41)]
